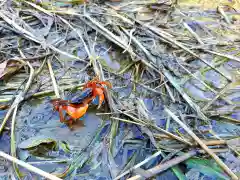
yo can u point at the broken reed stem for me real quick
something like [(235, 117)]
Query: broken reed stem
[(162, 34), (42, 93), (28, 166), (201, 143), (55, 87), (28, 35), (216, 97), (19, 98), (192, 104), (193, 33), (31, 58), (221, 11), (79, 35), (207, 142), (223, 55), (164, 166), (138, 165), (127, 121), (158, 129)]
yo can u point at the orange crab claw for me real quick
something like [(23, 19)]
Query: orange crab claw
[(98, 88), (100, 93)]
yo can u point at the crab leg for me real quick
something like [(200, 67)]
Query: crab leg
[(60, 110)]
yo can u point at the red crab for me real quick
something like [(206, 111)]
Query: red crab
[(75, 111), (78, 105)]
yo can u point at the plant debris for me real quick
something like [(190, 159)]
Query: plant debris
[(172, 111)]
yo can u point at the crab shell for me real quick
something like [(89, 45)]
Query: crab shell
[(79, 98)]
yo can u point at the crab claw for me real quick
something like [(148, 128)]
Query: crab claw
[(101, 100), (98, 92), (95, 101)]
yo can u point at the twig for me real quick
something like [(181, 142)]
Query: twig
[(185, 96), (105, 32), (223, 55), (170, 92), (216, 97), (111, 113), (28, 166), (230, 119), (31, 58), (13, 142), (55, 87), (164, 166), (138, 165), (19, 98), (39, 8), (193, 33), (202, 82), (221, 11), (79, 35), (37, 94), (209, 151), (162, 34), (124, 120), (3, 2), (207, 142), (143, 85), (158, 129), (30, 36), (147, 53)]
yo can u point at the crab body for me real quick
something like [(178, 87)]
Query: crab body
[(93, 92)]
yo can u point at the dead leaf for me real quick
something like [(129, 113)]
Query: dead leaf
[(4, 107), (11, 67)]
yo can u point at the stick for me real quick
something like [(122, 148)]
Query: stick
[(193, 105), (209, 151), (207, 142), (19, 98), (138, 165), (158, 129), (28, 166), (164, 166), (193, 33), (226, 88), (162, 34), (221, 11), (53, 79), (223, 55)]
